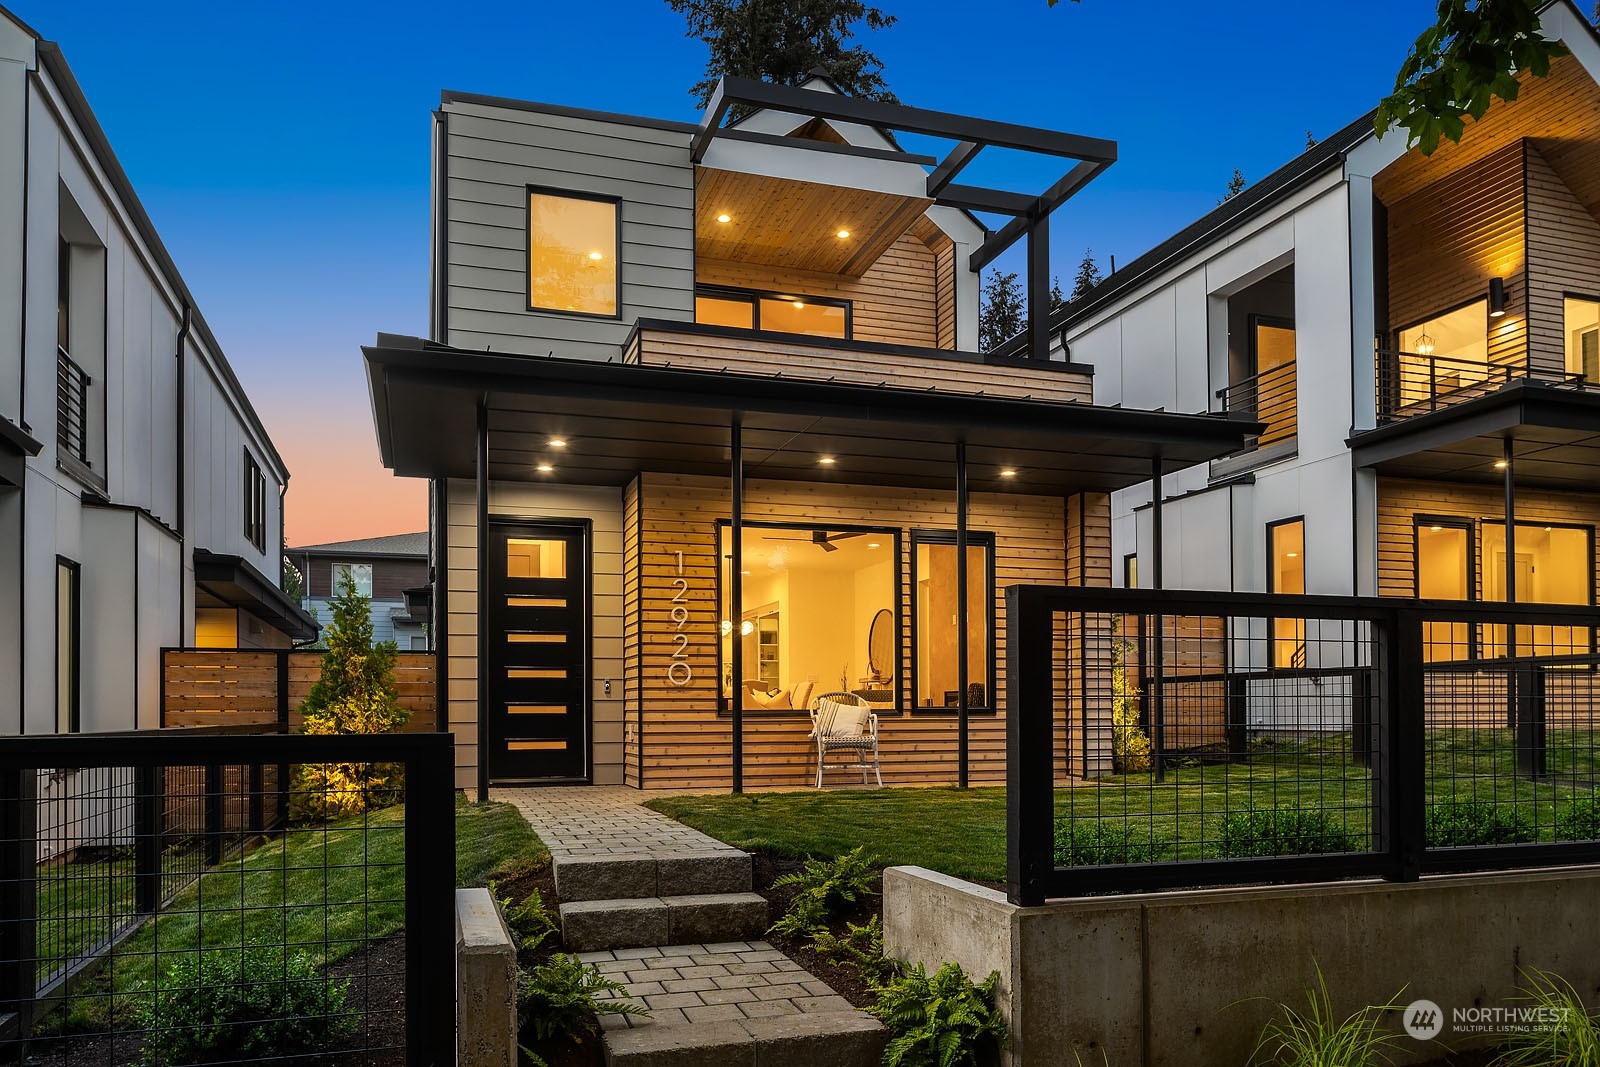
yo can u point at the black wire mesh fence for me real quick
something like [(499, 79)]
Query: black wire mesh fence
[(164, 901), (1185, 739)]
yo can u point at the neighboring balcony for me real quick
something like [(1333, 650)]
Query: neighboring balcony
[(1267, 397), (1412, 383), (700, 346), (72, 407)]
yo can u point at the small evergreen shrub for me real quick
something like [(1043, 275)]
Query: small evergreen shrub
[(943, 1021), (1283, 832), (559, 999), (250, 1004), (1464, 821), (1579, 820), (861, 949), (823, 885), (1089, 844)]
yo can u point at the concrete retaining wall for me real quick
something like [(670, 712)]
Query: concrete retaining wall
[(1166, 979), (486, 983)]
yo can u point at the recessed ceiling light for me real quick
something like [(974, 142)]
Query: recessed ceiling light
[(1499, 464), (724, 217), (827, 461), (557, 442), (842, 234), (1008, 473), (545, 468), (597, 255), (799, 304), (872, 544), (1292, 555), (1435, 529)]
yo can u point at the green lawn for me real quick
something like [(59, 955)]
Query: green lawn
[(962, 833)]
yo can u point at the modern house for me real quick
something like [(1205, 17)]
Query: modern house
[(707, 435), (1419, 337), (392, 571), (140, 496)]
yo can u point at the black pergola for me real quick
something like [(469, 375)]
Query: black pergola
[(442, 412)]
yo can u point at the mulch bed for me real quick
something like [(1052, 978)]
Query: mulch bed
[(844, 980)]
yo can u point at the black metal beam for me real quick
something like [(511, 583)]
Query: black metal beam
[(484, 740), (736, 611), (951, 165), (1158, 696), (1039, 289), (995, 201), (760, 94), (962, 637), (1507, 458), (1049, 200)]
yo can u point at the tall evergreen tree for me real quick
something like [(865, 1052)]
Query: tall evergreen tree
[(1088, 275), (1057, 297), (1236, 186), (784, 40), (1000, 316)]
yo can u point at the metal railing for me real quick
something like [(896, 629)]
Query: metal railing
[(1413, 383), (1184, 757), (72, 407), (134, 864), (1267, 397)]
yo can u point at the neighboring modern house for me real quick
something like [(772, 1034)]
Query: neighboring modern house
[(140, 496), (1421, 338), (392, 571), (706, 433)]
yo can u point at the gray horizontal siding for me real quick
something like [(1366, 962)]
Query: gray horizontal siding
[(493, 155)]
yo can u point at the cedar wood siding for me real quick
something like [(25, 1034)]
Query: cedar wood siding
[(493, 155), (1563, 257)]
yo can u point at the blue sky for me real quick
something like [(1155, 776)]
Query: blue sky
[(282, 149)]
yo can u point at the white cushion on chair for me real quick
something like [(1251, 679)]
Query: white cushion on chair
[(843, 720)]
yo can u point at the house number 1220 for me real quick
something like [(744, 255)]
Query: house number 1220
[(678, 671)]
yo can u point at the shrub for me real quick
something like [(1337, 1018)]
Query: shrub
[(558, 999), (861, 948), (823, 885), (1089, 844), (355, 694), (250, 1004), (530, 922), (1579, 820), (1283, 832), (1573, 1042), (943, 1021), (1465, 821), (1130, 746), (1317, 1038)]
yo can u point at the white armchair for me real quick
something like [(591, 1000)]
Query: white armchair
[(843, 722)]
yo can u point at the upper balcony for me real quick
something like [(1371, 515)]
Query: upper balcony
[(1415, 383)]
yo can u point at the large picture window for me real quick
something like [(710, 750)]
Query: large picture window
[(1444, 354), (1444, 572), (773, 312), (936, 609), (1554, 565), (1582, 325), (1286, 573), (809, 622), (572, 253)]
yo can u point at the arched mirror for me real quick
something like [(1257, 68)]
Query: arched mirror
[(880, 644)]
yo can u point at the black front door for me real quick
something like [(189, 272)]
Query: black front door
[(537, 598)]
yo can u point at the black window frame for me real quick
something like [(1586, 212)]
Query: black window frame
[(1454, 522), (73, 571), (725, 703), (255, 503), (1566, 295), (753, 297), (529, 191), (1271, 555), (1481, 573), (981, 538)]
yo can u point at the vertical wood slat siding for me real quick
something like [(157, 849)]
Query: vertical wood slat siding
[(687, 743), (895, 301), (631, 562), (1401, 500), (944, 281), (493, 154), (1448, 240), (1563, 257)]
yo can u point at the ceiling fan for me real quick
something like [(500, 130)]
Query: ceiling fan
[(821, 538)]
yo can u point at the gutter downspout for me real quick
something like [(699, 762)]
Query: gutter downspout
[(180, 467)]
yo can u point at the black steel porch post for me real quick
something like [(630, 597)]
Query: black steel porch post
[(484, 740), (1508, 449), (961, 614), (736, 595), (1158, 704)]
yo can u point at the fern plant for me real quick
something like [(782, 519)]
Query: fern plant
[(823, 885), (943, 1021), (530, 922), (1316, 1037), (1572, 1036), (861, 949), (561, 997)]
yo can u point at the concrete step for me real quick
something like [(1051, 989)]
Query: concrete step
[(836, 1038), (645, 874), (636, 922)]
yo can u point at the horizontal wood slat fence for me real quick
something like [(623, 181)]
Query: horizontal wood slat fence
[(263, 687)]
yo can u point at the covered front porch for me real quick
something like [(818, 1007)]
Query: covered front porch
[(747, 543)]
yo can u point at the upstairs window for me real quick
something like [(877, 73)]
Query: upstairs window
[(572, 253), (255, 503), (1447, 353), (773, 312), (1582, 324), (360, 574)]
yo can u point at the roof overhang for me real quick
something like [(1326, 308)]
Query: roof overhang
[(1555, 432), (622, 419), (16, 445), (235, 582)]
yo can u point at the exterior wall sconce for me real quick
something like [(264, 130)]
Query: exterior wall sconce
[(1497, 297)]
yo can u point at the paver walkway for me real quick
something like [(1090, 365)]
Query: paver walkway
[(602, 820)]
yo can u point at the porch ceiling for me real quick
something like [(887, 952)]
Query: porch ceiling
[(1555, 432), (619, 419)]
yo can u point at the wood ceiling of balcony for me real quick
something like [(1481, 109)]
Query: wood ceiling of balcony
[(792, 224), (1560, 113)]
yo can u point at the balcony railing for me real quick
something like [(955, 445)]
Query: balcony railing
[(72, 407), (1415, 383), (1267, 397)]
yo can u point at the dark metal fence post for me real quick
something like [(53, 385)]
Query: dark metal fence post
[(430, 835), (1529, 682), (1400, 788), (1361, 717), (213, 813), (18, 894), (149, 797), (1030, 744), (283, 688), (1237, 714)]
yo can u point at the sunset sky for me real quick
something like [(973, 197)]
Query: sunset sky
[(282, 150)]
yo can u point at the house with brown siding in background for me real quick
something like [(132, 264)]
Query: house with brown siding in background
[(708, 437), (391, 570)]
